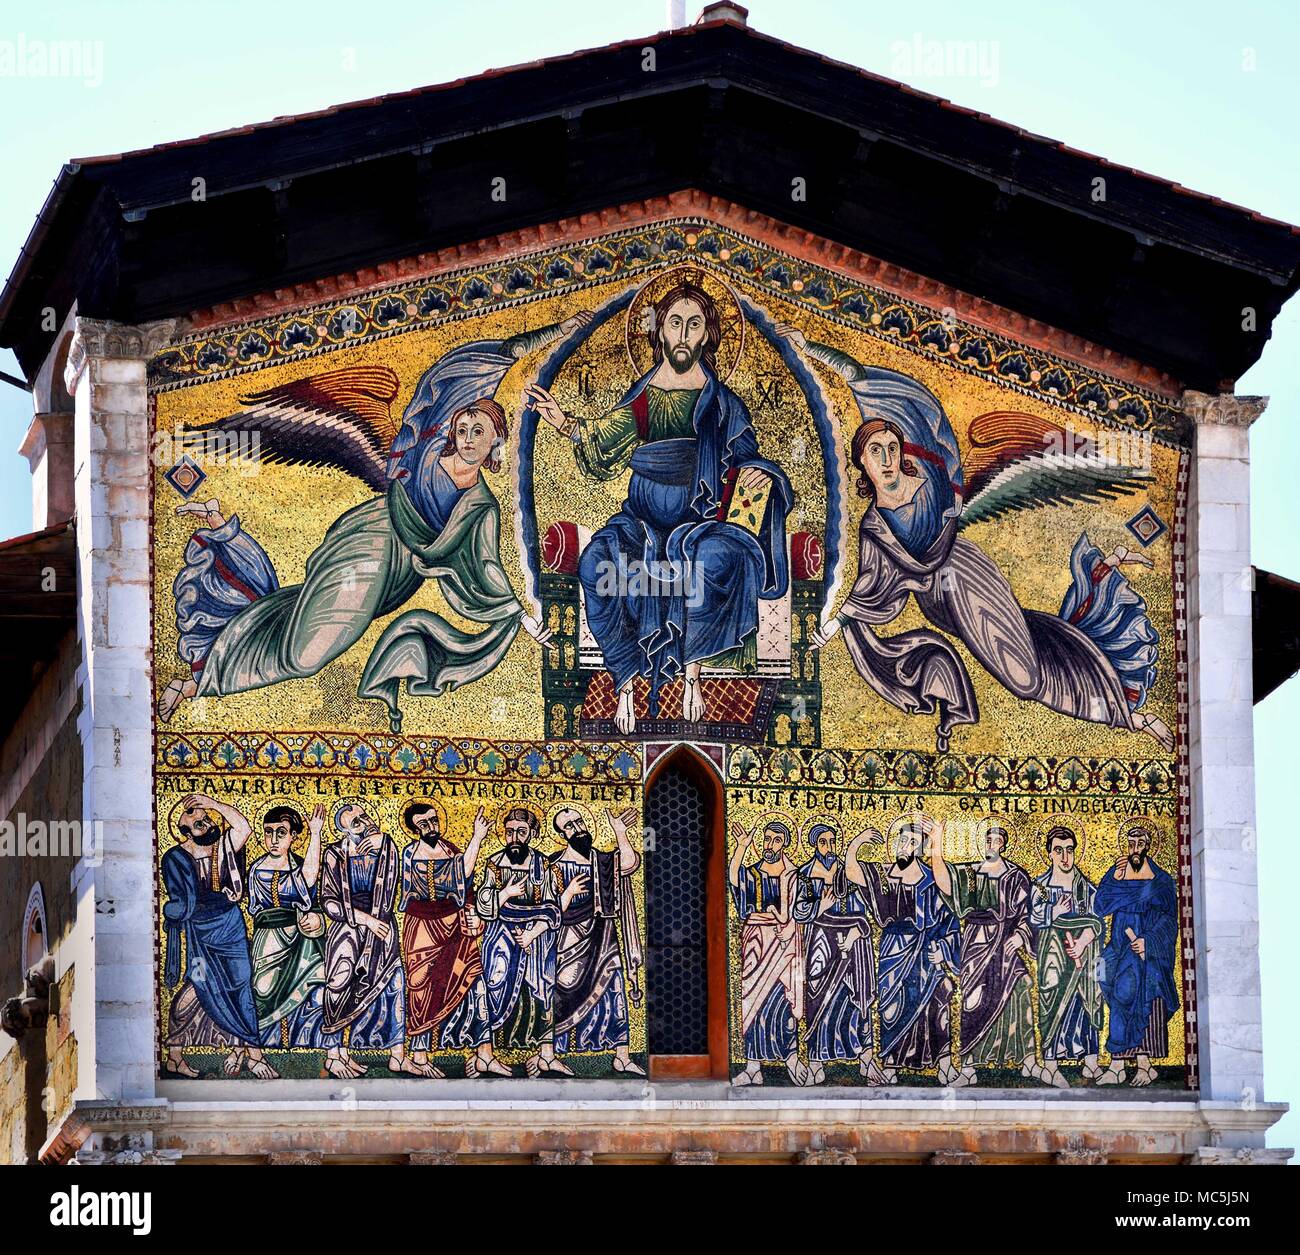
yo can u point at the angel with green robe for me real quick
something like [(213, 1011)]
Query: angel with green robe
[(1094, 659), (434, 517)]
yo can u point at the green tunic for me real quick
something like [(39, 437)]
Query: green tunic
[(603, 445)]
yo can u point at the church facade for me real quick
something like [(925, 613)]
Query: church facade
[(694, 676)]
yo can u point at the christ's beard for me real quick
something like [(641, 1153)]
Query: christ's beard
[(516, 852), (682, 357)]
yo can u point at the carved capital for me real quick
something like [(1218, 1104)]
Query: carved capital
[(293, 1158), (98, 337), (1222, 409), (563, 1157), (432, 1157), (944, 1158)]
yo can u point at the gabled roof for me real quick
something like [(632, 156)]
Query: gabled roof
[(1154, 271)]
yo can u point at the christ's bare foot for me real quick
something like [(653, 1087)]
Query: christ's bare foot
[(692, 699), (176, 692), (625, 715)]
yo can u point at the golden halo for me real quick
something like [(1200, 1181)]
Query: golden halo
[(805, 837), (640, 350), (1139, 821), (431, 803)]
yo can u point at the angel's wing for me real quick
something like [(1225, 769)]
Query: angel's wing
[(1020, 462), (340, 418)]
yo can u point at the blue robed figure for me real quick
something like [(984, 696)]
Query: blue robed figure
[(674, 578), (1137, 980), (203, 910)]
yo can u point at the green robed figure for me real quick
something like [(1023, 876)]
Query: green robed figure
[(434, 518)]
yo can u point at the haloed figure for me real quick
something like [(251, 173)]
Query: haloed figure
[(1067, 936), (365, 995), (518, 903), (991, 900), (204, 880), (839, 964), (596, 904), (771, 952), (288, 935), (441, 944), (690, 443), (1138, 977)]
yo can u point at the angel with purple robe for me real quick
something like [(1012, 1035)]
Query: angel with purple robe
[(1095, 659), (434, 517)]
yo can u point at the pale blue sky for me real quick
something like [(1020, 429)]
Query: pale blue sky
[(1168, 88)]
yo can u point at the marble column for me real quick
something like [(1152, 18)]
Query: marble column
[(1226, 1011), (115, 930)]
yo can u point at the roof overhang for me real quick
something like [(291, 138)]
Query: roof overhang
[(1152, 271)]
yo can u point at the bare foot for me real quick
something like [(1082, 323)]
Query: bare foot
[(692, 700), (1155, 728), (263, 1070), (625, 716), (172, 696), (175, 1063)]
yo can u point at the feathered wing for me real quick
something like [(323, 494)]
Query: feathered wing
[(341, 418), (1021, 462)]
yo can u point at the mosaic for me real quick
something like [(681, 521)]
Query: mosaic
[(443, 572)]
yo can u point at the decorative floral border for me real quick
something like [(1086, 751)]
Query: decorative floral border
[(412, 305)]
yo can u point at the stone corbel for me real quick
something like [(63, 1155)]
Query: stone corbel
[(567, 1158), (32, 1008), (946, 1158)]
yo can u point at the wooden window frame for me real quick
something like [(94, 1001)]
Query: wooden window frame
[(703, 774)]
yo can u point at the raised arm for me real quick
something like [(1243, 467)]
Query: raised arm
[(311, 863), (743, 840), (470, 857), (842, 364), (942, 873)]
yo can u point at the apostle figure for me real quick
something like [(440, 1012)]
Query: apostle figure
[(1067, 933), (518, 903), (690, 443), (433, 517), (991, 901), (440, 934), (839, 962), (771, 952), (288, 935), (204, 879), (1095, 659), (364, 991), (1138, 962), (597, 903), (918, 952)]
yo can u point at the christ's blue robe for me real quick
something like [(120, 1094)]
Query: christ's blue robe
[(674, 521)]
